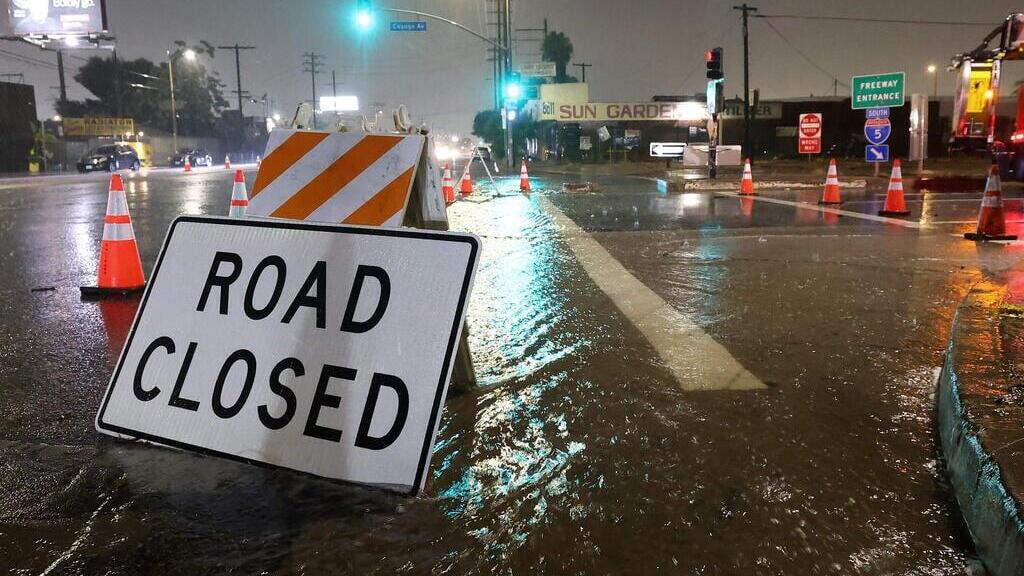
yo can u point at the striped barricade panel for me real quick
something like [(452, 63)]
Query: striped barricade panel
[(352, 178)]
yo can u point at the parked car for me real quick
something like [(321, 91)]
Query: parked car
[(110, 158), (196, 157)]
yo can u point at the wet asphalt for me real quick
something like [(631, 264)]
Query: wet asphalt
[(579, 453)]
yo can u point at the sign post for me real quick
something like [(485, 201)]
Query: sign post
[(321, 348), (809, 134)]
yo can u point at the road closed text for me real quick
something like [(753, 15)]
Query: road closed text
[(285, 374), (320, 348)]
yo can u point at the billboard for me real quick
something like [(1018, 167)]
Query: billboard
[(85, 127), (55, 17)]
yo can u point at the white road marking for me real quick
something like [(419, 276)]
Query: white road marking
[(827, 209), (694, 358)]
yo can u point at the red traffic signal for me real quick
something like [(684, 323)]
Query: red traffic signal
[(713, 58)]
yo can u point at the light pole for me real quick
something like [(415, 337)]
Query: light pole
[(935, 81), (189, 55)]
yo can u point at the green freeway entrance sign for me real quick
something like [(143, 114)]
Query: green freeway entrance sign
[(878, 91)]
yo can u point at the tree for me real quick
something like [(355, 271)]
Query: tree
[(487, 125), (140, 89), (557, 48)]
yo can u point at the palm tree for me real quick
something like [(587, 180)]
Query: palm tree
[(557, 48)]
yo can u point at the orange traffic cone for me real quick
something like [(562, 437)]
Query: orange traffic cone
[(188, 165), (466, 183), (894, 202), (747, 183), (991, 220), (831, 193), (524, 178), (239, 197), (259, 161), (447, 188), (120, 267), (227, 162)]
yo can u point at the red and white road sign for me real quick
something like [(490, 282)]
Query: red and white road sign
[(810, 134)]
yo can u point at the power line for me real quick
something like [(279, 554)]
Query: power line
[(805, 56), (28, 59), (875, 20)]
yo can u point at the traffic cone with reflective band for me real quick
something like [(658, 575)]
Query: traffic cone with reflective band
[(227, 162), (895, 205), (747, 183), (120, 269), (524, 178), (831, 193), (466, 183), (239, 197), (447, 188), (991, 220), (188, 165), (259, 161)]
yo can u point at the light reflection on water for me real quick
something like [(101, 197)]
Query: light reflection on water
[(519, 448)]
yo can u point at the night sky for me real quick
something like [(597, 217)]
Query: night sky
[(638, 47)]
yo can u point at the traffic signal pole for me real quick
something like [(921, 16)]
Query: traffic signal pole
[(746, 79)]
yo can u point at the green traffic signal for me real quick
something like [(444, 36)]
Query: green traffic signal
[(364, 15)]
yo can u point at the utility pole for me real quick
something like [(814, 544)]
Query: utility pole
[(238, 72), (746, 78), (118, 99), (60, 73), (583, 70), (334, 86), (311, 63), (510, 147)]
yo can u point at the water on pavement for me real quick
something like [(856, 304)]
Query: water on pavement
[(579, 453)]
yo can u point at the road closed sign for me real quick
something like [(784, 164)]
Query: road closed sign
[(320, 348), (809, 134)]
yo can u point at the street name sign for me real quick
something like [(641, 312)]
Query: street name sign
[(809, 130), (667, 149), (321, 348), (409, 26), (878, 91), (877, 130), (537, 70), (876, 153)]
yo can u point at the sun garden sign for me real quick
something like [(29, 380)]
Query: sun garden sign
[(878, 91)]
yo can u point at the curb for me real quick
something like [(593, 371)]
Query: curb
[(992, 514)]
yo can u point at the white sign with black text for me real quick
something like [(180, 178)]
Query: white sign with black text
[(320, 348)]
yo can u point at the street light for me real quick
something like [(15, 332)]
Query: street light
[(190, 55), (935, 81)]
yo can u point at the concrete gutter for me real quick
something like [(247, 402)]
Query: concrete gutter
[(992, 514)]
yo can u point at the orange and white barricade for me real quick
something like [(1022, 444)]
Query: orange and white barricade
[(344, 177)]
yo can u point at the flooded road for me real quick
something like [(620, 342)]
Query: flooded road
[(581, 452)]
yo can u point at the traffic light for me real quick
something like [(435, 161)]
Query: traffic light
[(514, 87), (364, 15), (714, 61)]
